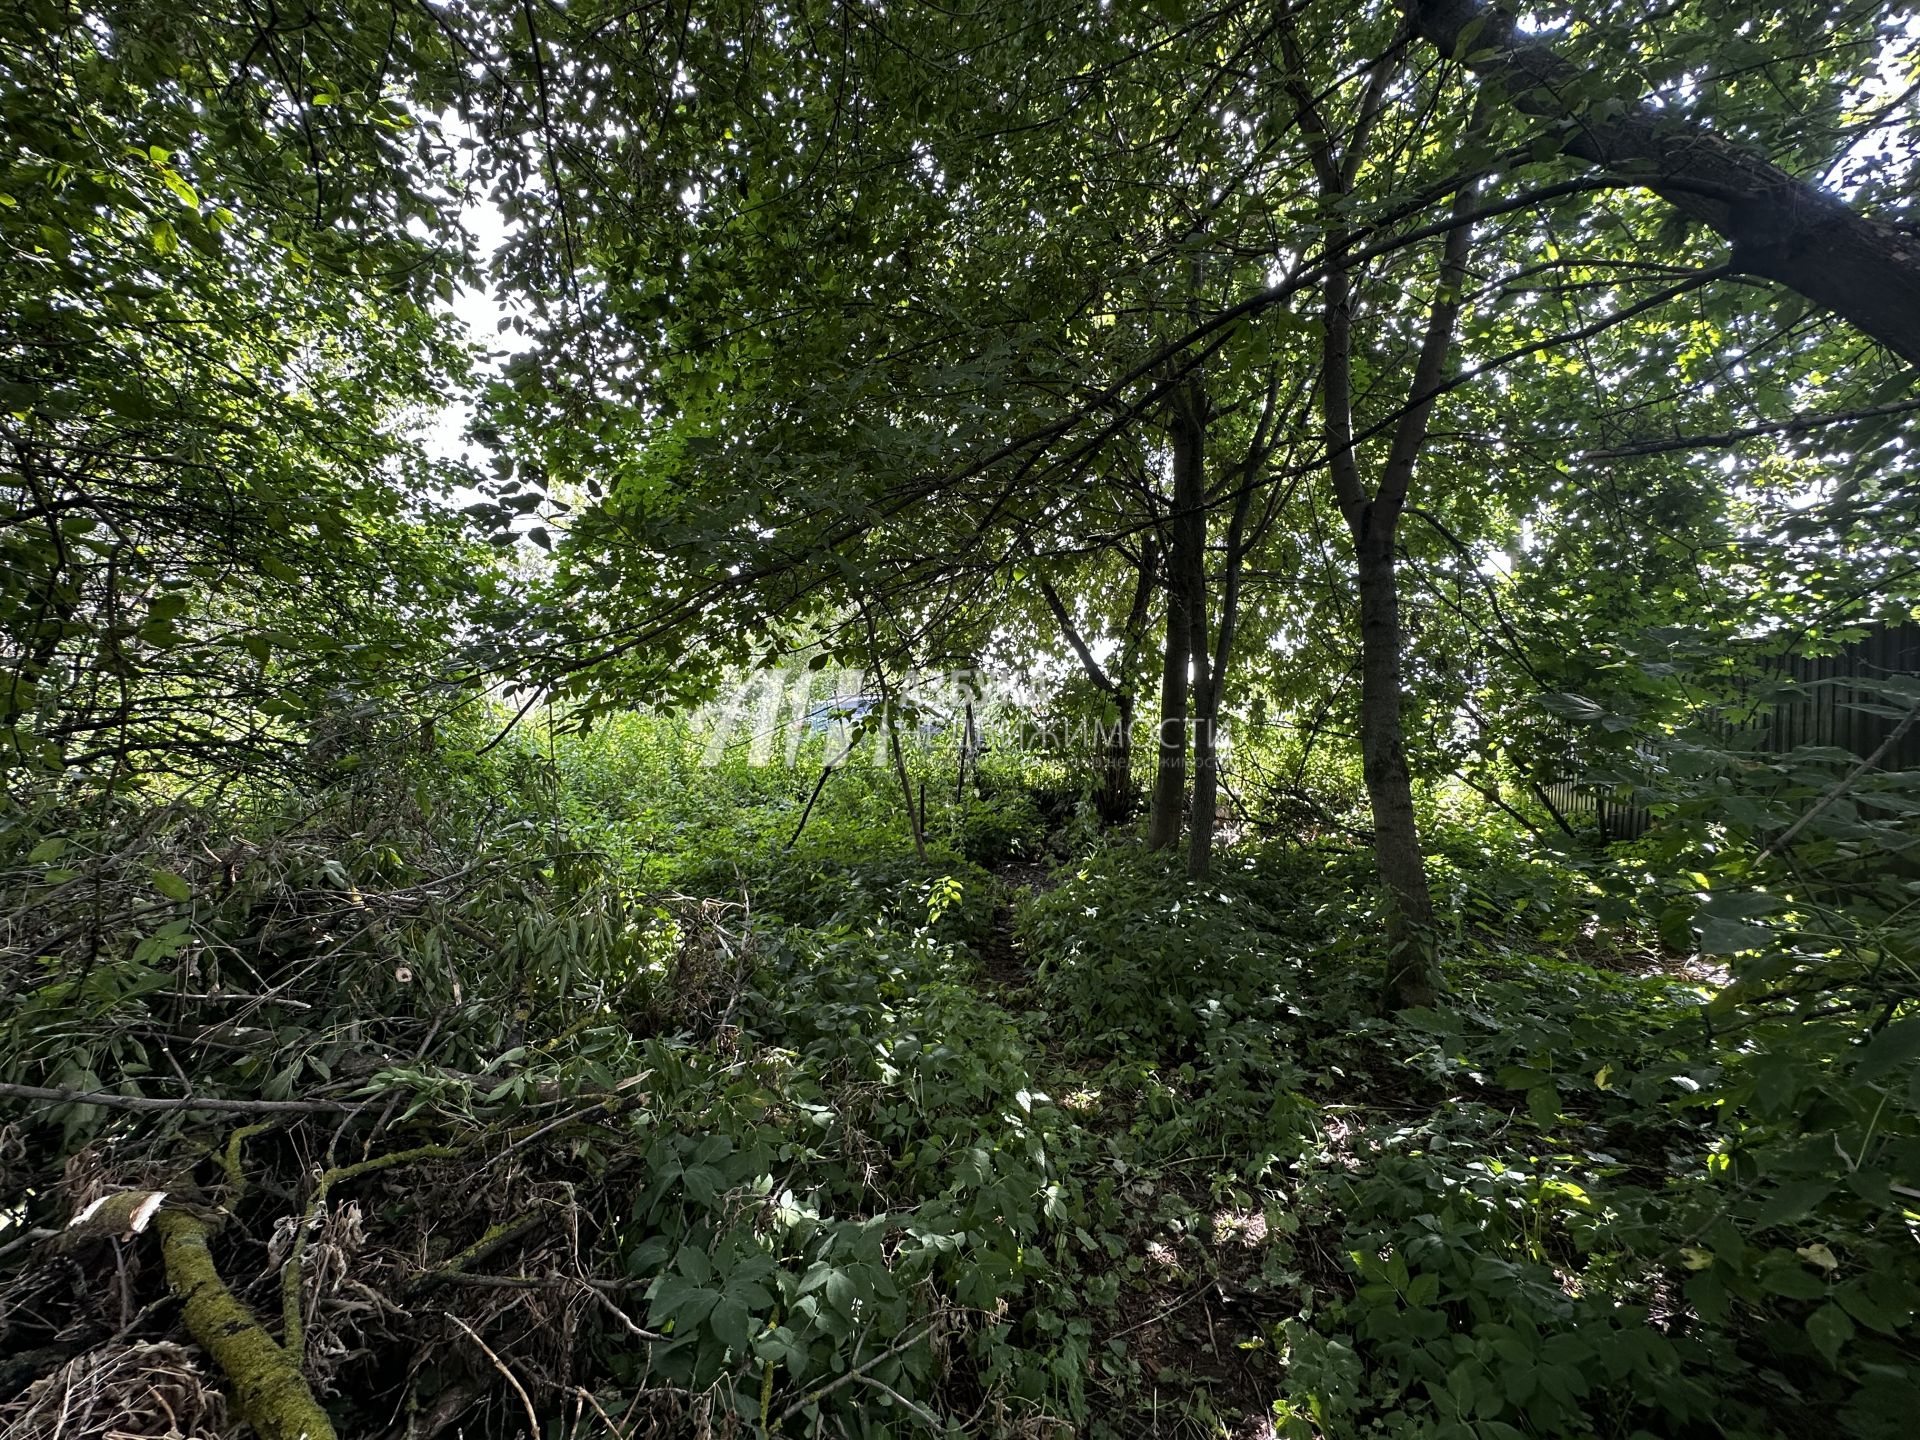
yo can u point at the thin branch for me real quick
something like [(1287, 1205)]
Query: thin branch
[(813, 1397), (1076, 641), (108, 1100), (533, 1420), (1798, 425), (1844, 784)]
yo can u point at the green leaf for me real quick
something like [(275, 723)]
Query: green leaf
[(682, 1302), (183, 192), (172, 886), (1791, 1201), (1857, 1303), (1793, 1281), (732, 1323), (1543, 1104), (841, 1291), (649, 1255), (168, 606), (1892, 1047), (1831, 1330), (1731, 937), (703, 1183)]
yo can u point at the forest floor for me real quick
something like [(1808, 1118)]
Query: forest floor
[(1213, 1264), (720, 1133), (1193, 1320)]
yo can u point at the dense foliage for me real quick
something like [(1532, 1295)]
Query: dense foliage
[(1084, 1141), (1189, 718)]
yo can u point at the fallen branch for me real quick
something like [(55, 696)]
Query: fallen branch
[(58, 1095), (272, 1395), (1162, 1314), (612, 1429), (542, 1282), (110, 1100), (533, 1419), (496, 1237), (599, 1293), (292, 1316)]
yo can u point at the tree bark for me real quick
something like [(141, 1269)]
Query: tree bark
[(1206, 781), (1413, 959), (1413, 962), (1184, 660), (1206, 773), (1170, 772), (1413, 954), (1206, 759), (271, 1394), (1191, 567), (1781, 227), (1117, 800)]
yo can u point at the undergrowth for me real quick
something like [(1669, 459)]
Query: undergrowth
[(617, 1100)]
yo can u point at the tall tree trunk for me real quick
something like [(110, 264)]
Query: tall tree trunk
[(1206, 728), (1373, 521), (1782, 228), (1206, 787), (1413, 961), (1186, 650), (1206, 768), (967, 744), (1191, 563), (1170, 773), (1117, 802)]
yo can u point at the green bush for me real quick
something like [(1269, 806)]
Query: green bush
[(1133, 954)]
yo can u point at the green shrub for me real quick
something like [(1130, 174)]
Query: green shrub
[(1133, 954)]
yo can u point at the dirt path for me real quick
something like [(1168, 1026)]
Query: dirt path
[(1001, 959), (1193, 1320)]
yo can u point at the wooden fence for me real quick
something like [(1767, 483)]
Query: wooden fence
[(1830, 702)]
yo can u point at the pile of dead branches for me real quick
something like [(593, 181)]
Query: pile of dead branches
[(296, 1120)]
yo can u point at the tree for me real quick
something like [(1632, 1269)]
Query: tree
[(1864, 269), (220, 327), (872, 333)]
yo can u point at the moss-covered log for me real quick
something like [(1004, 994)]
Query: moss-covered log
[(267, 1384)]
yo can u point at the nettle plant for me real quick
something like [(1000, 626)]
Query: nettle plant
[(1137, 954)]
